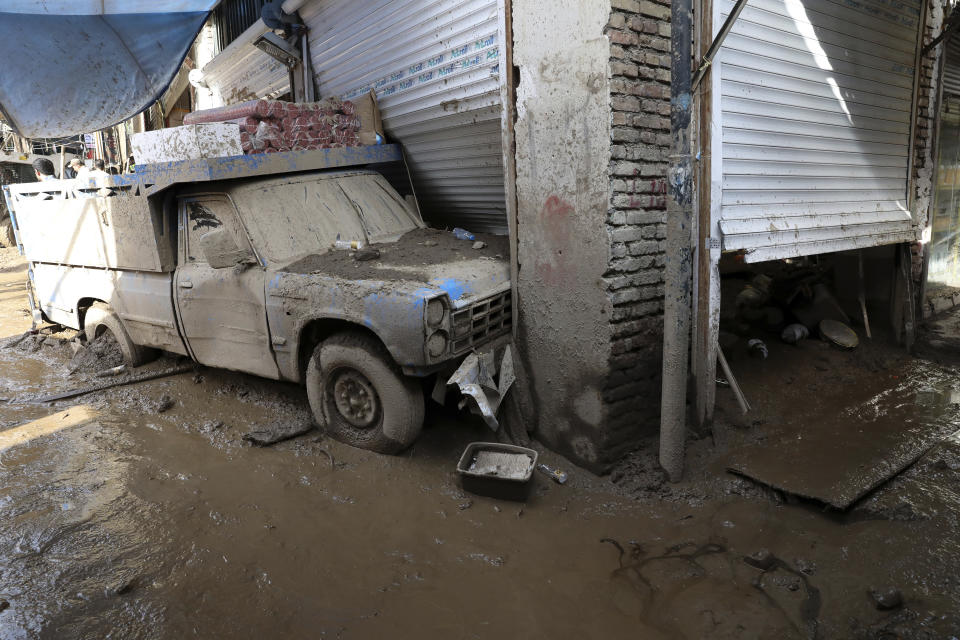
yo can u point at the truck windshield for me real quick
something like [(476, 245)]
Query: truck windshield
[(303, 217)]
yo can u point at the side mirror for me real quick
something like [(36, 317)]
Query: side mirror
[(221, 251)]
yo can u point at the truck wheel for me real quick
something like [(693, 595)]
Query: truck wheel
[(7, 238), (360, 396), (100, 318)]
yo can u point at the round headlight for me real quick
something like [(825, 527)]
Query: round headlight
[(435, 309), (437, 344)]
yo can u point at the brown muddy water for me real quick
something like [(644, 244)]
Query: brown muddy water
[(119, 520)]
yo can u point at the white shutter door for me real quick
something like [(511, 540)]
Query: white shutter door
[(435, 65), (816, 101)]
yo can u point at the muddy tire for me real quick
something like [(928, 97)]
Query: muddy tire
[(7, 237), (99, 318), (360, 397)]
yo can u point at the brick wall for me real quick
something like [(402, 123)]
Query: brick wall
[(639, 34), (924, 151)]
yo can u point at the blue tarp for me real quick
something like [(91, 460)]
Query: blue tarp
[(72, 66)]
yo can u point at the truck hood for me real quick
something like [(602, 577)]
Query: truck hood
[(423, 258)]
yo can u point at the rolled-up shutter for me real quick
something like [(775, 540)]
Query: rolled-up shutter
[(951, 67), (816, 103), (435, 67)]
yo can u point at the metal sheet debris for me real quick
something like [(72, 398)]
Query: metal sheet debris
[(475, 377), (837, 457)]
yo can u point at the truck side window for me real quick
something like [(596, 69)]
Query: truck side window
[(205, 215)]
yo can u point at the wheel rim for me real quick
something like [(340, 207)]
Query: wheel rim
[(355, 398)]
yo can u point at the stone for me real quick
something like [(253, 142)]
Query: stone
[(367, 253), (164, 403), (886, 598), (762, 559), (479, 244), (277, 432)]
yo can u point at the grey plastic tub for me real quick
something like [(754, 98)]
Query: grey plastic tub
[(497, 470)]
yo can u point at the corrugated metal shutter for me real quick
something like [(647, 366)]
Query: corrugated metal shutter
[(435, 67), (816, 100), (243, 72), (951, 67)]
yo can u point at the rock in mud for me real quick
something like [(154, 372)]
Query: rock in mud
[(886, 598), (367, 253), (277, 432), (4, 605), (121, 587), (761, 559), (479, 244), (210, 426), (163, 403)]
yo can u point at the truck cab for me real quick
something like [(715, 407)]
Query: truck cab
[(326, 278)]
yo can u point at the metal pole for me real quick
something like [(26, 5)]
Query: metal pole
[(679, 265), (717, 43)]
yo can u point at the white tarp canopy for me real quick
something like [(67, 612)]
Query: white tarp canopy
[(71, 66)]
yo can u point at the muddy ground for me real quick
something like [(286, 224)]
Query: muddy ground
[(140, 512)]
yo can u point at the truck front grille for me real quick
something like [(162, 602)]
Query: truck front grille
[(482, 321)]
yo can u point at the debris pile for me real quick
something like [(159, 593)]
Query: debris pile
[(271, 126), (100, 354)]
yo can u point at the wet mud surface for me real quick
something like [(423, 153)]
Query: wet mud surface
[(141, 512), (423, 248)]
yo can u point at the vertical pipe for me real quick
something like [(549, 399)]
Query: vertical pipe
[(679, 267)]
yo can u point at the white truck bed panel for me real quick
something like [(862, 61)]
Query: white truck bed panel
[(119, 232)]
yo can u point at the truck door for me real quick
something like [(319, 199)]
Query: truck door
[(222, 311)]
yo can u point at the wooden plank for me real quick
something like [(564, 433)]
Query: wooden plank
[(710, 174), (508, 148)]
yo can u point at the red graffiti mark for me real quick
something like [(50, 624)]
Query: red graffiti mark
[(552, 265), (652, 189)]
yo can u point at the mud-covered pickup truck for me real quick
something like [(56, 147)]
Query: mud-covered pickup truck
[(244, 273)]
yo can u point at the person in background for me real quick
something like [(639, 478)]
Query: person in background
[(131, 165), (43, 168), (97, 171), (76, 167)]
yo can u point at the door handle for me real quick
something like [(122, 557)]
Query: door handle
[(185, 284)]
